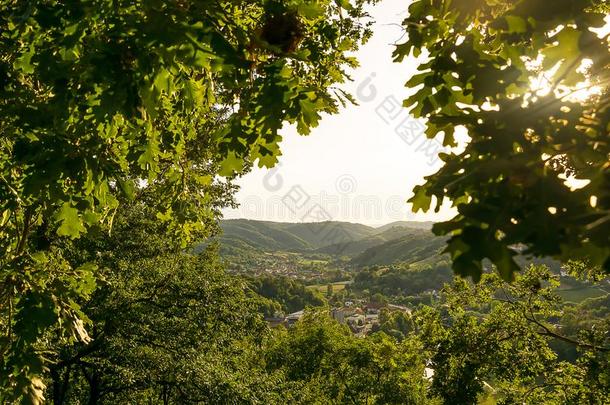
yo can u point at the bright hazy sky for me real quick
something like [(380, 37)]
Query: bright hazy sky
[(353, 166)]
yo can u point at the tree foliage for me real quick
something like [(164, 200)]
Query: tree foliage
[(529, 83), (491, 341), (498, 338), (320, 361), (291, 294), (166, 324), (402, 281), (122, 124), (103, 102)]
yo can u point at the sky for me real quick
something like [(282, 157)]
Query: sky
[(359, 165)]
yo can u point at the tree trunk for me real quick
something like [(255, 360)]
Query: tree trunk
[(94, 387), (60, 385)]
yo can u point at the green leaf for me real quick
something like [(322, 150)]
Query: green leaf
[(165, 216), (345, 4), (345, 45), (40, 257), (148, 158), (85, 284), (163, 81), (193, 94), (566, 52), (91, 217), (309, 116), (128, 188), (268, 154), (311, 10), (23, 62), (516, 24), (421, 200), (230, 165), (70, 222), (417, 79), (417, 9)]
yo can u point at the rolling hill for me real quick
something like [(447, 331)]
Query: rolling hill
[(359, 246), (402, 241), (407, 224), (271, 236), (416, 246)]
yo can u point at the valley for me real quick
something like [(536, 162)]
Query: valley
[(350, 268)]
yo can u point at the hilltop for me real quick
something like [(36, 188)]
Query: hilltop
[(403, 241)]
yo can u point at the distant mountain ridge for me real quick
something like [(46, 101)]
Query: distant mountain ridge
[(364, 245), (427, 225), (361, 245), (418, 246), (267, 235)]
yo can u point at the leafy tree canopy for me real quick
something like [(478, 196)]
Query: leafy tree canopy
[(499, 337), (529, 82), (98, 97), (103, 102), (320, 361), (166, 324)]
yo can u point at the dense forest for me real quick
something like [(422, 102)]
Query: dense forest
[(125, 125)]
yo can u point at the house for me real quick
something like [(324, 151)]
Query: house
[(274, 322), (399, 308), (338, 314), (292, 318), (373, 307)]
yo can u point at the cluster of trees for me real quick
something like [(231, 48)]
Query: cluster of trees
[(158, 104), (166, 326), (321, 361), (292, 295), (493, 340), (500, 335), (397, 280), (174, 328)]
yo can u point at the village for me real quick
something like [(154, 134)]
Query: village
[(363, 318)]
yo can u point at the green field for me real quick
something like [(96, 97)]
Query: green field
[(579, 294), (338, 286), (309, 262)]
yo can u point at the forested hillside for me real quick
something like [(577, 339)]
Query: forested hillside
[(415, 246), (389, 243), (265, 235)]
